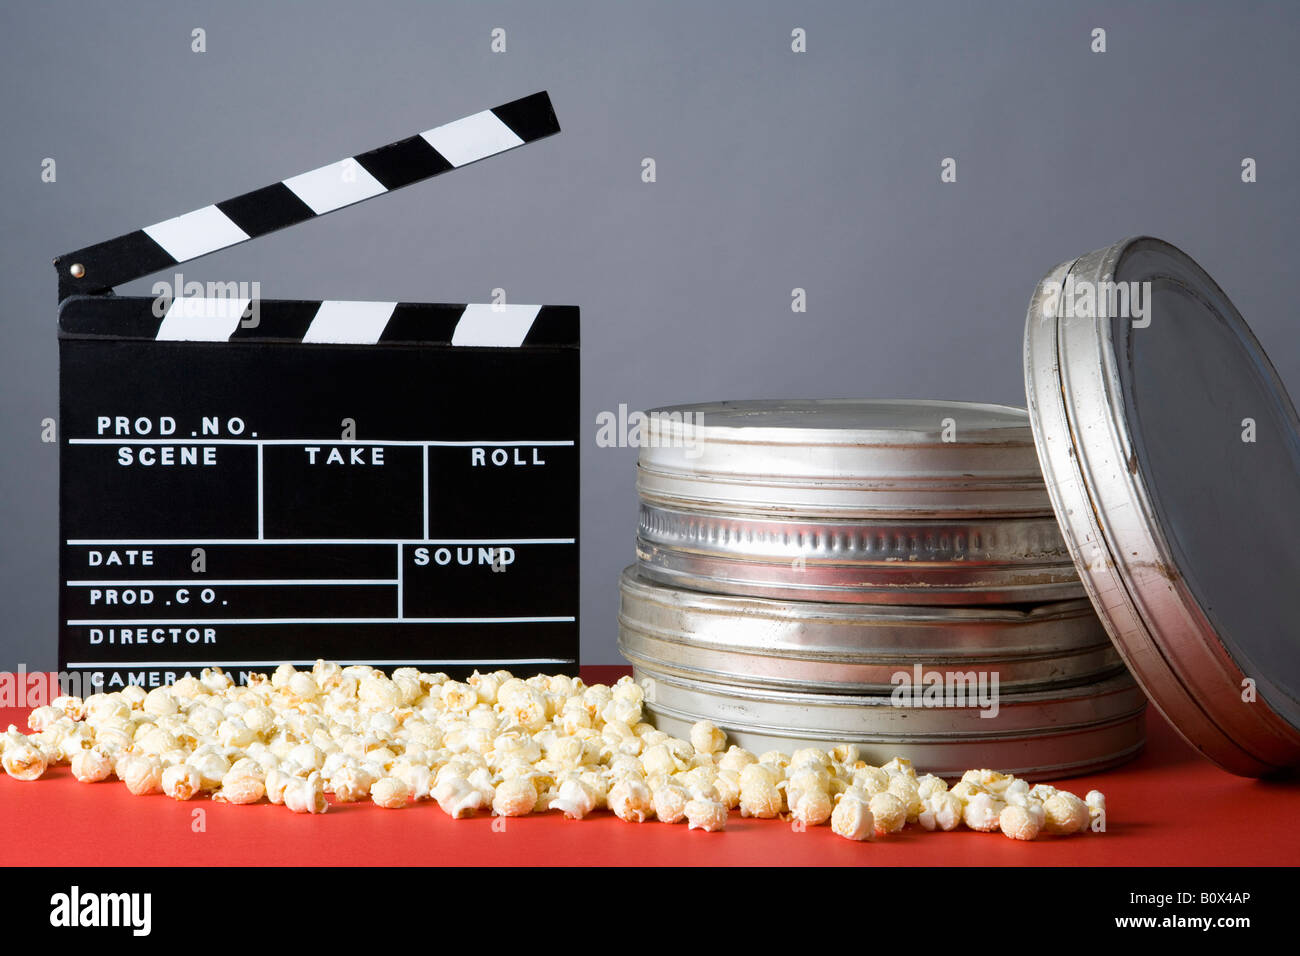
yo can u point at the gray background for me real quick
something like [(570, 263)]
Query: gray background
[(775, 170)]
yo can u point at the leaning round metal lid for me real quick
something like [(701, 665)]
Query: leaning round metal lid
[(1172, 456), (842, 458)]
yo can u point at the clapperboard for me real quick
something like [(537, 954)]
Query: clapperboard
[(247, 482)]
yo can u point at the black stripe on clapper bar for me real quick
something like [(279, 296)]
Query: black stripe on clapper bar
[(104, 265), (324, 323)]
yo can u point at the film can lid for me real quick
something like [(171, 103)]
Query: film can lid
[(1172, 457), (843, 458)]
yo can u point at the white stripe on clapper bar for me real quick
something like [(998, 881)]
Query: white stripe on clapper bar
[(503, 326), (201, 320), (350, 323), (472, 138), (334, 186), (196, 233)]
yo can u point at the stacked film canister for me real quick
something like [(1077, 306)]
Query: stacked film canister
[(888, 574)]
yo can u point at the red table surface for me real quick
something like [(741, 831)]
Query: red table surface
[(1167, 807)]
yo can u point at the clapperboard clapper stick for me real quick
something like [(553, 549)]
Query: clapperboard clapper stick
[(246, 482)]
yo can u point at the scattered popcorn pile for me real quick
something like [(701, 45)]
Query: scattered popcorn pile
[(496, 744)]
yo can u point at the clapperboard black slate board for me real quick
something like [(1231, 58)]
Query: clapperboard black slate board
[(216, 510)]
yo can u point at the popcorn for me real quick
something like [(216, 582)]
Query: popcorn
[(707, 815), (929, 785), (102, 708), (659, 759), (899, 765), (486, 686), (983, 811), (23, 761), (515, 797), (417, 777), (211, 768), (457, 797), (496, 741), (889, 812), (277, 782), (576, 799), (392, 793), (159, 702), (990, 780), (525, 706), (943, 810), (43, 717), (306, 757), (727, 786), (812, 807), (707, 738), (1018, 823), (1036, 812), (1016, 791), (240, 786), (142, 774), (92, 765), (670, 801), (871, 780), (699, 780), (810, 756), (182, 782), (759, 795), (11, 737), (133, 696), (631, 801), (303, 686), (623, 710), (64, 740), (775, 759), (852, 817), (846, 754), (156, 740), (306, 796), (965, 789), (74, 708), (908, 792), (1066, 813), (809, 776), (736, 759)]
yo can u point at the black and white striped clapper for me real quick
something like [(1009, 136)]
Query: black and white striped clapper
[(246, 482)]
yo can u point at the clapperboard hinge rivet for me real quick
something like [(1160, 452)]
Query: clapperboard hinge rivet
[(77, 270)]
